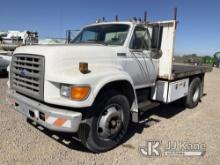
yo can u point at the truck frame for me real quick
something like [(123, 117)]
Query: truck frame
[(102, 80)]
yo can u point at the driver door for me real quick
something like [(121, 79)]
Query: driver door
[(140, 65)]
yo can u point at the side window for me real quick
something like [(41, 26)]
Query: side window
[(140, 39)]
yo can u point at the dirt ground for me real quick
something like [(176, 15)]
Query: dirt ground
[(24, 143)]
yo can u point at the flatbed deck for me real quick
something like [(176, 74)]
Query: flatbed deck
[(181, 71)]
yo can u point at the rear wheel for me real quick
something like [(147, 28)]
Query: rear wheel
[(194, 93), (107, 124)]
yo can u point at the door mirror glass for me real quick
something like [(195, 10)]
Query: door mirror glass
[(156, 39)]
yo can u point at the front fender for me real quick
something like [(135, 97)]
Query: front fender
[(96, 79), (113, 76), (110, 77)]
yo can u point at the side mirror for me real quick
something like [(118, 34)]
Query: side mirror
[(156, 54), (156, 37), (68, 36)]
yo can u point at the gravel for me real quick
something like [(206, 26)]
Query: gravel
[(26, 143)]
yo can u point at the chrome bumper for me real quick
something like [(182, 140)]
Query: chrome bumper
[(52, 118)]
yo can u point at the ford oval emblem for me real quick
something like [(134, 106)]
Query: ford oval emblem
[(23, 72)]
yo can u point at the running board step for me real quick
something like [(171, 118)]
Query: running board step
[(147, 105), (143, 107)]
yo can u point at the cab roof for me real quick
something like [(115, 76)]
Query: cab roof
[(131, 23)]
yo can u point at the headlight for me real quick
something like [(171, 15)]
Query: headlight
[(75, 92), (65, 91)]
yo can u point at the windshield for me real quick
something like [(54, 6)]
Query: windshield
[(111, 34)]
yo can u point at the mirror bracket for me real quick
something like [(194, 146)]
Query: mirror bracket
[(156, 54)]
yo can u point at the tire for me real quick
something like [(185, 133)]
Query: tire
[(107, 123), (194, 93)]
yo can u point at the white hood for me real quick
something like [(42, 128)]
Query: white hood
[(64, 59)]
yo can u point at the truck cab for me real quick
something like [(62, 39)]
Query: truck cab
[(129, 40), (101, 81)]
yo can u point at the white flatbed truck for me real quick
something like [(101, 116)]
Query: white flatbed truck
[(101, 82)]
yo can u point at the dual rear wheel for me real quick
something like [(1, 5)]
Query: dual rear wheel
[(194, 93)]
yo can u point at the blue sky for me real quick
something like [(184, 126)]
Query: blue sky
[(198, 30)]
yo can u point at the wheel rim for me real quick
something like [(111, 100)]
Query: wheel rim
[(110, 122), (196, 94)]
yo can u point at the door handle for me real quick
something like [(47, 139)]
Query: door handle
[(121, 54)]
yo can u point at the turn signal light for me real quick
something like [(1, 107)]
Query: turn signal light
[(79, 92)]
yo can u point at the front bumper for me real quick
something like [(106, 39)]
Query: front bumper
[(52, 118)]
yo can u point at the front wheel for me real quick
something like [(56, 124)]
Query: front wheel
[(107, 124)]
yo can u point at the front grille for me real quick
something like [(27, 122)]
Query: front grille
[(27, 75)]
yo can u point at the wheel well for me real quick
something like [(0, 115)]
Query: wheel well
[(122, 86), (200, 76)]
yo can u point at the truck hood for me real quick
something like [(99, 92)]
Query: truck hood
[(67, 51), (64, 59)]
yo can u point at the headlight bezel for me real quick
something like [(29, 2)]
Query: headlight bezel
[(68, 91)]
